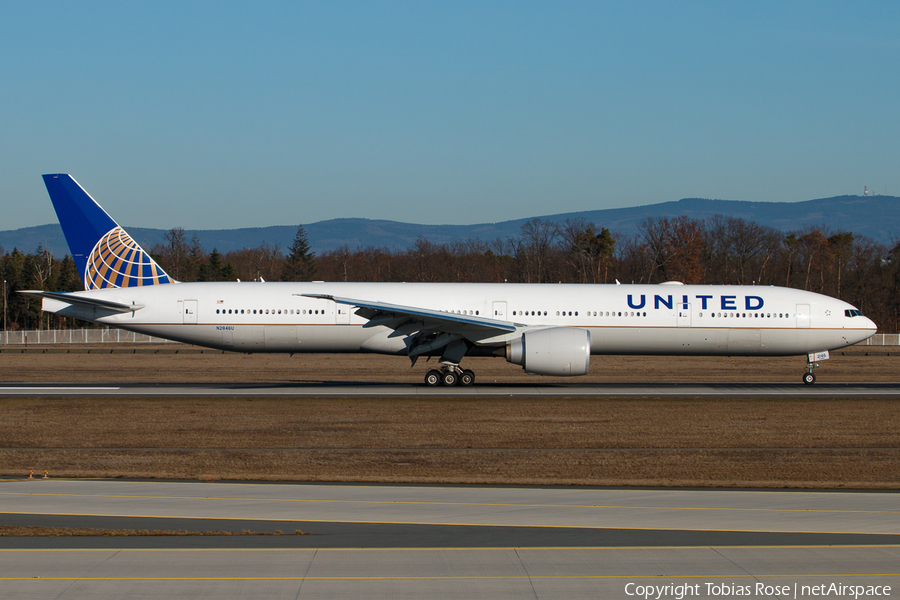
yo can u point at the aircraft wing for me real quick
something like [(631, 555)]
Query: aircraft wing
[(427, 331), (86, 301), (383, 313)]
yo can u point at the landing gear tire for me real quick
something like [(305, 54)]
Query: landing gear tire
[(467, 378), (432, 378), (449, 378), (809, 378)]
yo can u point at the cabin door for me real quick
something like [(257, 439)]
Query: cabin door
[(803, 316), (342, 314), (499, 311), (684, 315), (190, 312)]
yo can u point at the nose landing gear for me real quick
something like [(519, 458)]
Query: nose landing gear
[(450, 375), (809, 377)]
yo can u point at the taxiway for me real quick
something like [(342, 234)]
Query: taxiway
[(373, 540)]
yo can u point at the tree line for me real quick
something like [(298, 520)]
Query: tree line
[(718, 250)]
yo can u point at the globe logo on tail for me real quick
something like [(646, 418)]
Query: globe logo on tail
[(117, 261)]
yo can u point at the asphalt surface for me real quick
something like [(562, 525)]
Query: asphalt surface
[(394, 535), (388, 541), (570, 507)]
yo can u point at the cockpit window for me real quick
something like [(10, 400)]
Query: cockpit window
[(853, 313)]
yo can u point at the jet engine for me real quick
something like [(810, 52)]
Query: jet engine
[(561, 351)]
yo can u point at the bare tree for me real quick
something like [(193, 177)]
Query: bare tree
[(656, 231), (812, 245), (537, 243), (841, 244), (176, 252), (685, 248)]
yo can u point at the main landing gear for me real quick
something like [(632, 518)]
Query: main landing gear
[(450, 375)]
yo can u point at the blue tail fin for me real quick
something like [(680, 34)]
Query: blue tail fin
[(105, 255)]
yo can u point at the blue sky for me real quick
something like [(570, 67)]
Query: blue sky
[(231, 114)]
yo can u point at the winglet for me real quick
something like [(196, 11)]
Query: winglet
[(105, 255)]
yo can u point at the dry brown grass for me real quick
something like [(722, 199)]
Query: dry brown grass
[(746, 442), (817, 443)]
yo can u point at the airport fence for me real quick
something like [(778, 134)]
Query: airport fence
[(882, 339), (120, 336), (25, 337)]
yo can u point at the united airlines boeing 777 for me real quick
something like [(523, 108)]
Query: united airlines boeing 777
[(547, 329)]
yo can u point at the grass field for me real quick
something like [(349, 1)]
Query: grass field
[(811, 443)]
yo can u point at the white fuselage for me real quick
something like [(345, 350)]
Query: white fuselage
[(622, 319)]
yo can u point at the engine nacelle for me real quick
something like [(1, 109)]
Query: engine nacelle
[(560, 351)]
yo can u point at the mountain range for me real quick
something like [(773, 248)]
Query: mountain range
[(877, 217)]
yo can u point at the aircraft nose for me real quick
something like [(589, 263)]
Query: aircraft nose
[(870, 325)]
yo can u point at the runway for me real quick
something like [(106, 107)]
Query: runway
[(376, 390), (379, 541)]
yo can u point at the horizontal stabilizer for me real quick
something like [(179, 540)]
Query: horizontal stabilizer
[(87, 301)]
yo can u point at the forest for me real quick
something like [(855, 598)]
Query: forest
[(719, 250)]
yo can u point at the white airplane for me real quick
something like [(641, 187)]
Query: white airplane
[(548, 329)]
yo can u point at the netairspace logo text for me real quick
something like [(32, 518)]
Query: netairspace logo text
[(759, 589)]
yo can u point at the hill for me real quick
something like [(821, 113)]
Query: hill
[(877, 217)]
